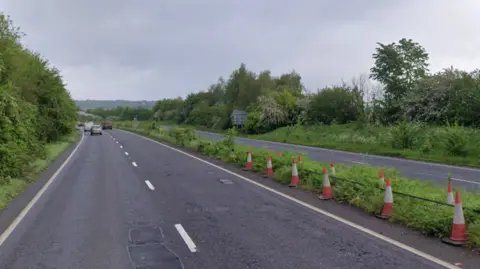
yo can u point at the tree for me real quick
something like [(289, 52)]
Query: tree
[(399, 66)]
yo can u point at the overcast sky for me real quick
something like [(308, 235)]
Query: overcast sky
[(152, 49)]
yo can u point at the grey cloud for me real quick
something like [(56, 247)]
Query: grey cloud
[(153, 49)]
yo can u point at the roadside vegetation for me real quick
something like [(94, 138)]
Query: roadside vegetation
[(355, 185), (399, 109), (37, 114)]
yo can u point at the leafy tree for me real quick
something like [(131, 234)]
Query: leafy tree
[(399, 66)]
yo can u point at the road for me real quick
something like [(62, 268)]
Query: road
[(124, 202), (468, 178)]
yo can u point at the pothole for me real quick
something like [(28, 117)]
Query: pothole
[(226, 181)]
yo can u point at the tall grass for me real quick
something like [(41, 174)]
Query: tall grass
[(452, 144)]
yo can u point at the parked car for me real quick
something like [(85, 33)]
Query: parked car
[(96, 129), (107, 125), (88, 126)]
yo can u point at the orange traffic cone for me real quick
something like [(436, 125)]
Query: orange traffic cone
[(332, 168), (382, 177), (300, 158), (295, 178), (249, 161), (327, 189), (450, 199), (269, 171), (387, 201), (459, 229)]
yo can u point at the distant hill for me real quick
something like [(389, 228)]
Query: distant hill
[(89, 104)]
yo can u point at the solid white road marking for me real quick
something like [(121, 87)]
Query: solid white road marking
[(316, 209), (150, 185), (37, 196), (134, 164), (126, 153), (191, 246)]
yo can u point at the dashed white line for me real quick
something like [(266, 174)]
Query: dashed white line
[(126, 153), (316, 209), (191, 246), (358, 162), (117, 141), (453, 178), (150, 185), (134, 164), (473, 182), (121, 146)]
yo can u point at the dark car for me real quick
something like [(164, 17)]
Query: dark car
[(107, 125)]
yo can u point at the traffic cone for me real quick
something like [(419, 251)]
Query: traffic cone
[(300, 158), (249, 161), (269, 171), (387, 201), (450, 199), (382, 177), (332, 168), (295, 178), (327, 189), (459, 229)]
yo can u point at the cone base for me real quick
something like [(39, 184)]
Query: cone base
[(246, 169), (321, 197), (381, 216), (292, 185), (449, 241), (267, 176)]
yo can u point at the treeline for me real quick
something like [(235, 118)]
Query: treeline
[(123, 113), (398, 88), (35, 107)]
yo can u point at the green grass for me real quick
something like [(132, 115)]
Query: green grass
[(430, 218), (427, 143), (15, 186)]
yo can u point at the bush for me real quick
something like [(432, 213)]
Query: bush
[(456, 141), (405, 135)]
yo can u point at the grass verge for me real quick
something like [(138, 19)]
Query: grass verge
[(429, 218), (15, 186), (447, 145)]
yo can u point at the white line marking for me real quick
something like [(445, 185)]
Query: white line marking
[(121, 146), (150, 185), (134, 164), (37, 196), (453, 178), (186, 238), (473, 182), (358, 162), (117, 141), (126, 153), (316, 209)]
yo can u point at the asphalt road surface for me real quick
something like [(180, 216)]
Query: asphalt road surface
[(438, 173), (124, 202)]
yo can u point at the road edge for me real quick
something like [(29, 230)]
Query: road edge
[(15, 211)]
